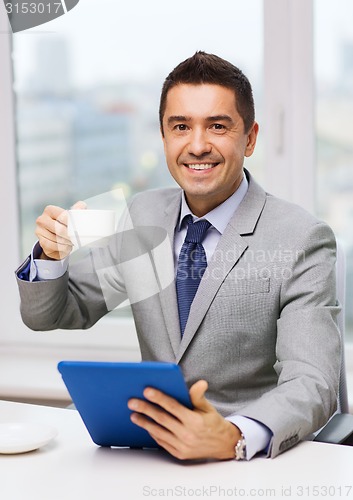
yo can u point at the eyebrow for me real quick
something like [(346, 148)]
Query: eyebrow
[(178, 118), (216, 118), (220, 118)]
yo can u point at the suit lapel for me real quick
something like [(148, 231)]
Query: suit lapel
[(230, 248), (165, 266)]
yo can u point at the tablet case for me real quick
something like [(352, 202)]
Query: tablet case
[(101, 390)]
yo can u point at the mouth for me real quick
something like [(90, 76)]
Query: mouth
[(200, 166)]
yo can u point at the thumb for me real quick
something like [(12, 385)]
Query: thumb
[(79, 205), (197, 395)]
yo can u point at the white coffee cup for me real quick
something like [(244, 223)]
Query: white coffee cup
[(89, 227)]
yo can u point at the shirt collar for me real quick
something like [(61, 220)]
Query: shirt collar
[(221, 215)]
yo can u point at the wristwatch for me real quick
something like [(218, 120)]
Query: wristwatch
[(240, 448)]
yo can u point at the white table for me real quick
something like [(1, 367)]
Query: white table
[(72, 467)]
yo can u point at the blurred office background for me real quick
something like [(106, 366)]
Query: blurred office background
[(86, 93)]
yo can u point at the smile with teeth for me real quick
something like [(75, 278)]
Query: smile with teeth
[(201, 166)]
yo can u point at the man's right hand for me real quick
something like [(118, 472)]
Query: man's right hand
[(51, 231)]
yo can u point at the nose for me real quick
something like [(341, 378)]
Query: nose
[(198, 143)]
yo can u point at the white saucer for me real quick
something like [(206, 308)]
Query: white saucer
[(20, 437)]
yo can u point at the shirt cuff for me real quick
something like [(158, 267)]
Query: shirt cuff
[(257, 435), (42, 270)]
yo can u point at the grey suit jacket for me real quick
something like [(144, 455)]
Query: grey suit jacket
[(262, 328)]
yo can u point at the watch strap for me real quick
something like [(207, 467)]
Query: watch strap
[(240, 448)]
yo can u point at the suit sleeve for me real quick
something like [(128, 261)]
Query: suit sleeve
[(76, 300)]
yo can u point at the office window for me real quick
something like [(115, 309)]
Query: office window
[(333, 44), (86, 95), (88, 85)]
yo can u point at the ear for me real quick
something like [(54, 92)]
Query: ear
[(251, 140)]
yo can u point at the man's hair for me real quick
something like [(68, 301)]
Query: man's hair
[(210, 69)]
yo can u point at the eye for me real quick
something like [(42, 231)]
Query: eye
[(181, 127), (218, 126)]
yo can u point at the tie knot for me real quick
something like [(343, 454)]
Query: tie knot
[(196, 230)]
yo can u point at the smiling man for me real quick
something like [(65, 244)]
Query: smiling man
[(250, 316)]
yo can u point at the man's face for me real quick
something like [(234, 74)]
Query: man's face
[(205, 143)]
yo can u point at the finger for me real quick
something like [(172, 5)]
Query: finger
[(61, 222), (55, 237), (166, 445), (197, 396), (150, 425), (49, 218), (53, 211), (51, 229), (154, 412), (53, 250), (168, 403), (159, 433)]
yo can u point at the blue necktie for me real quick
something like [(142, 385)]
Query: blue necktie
[(192, 263)]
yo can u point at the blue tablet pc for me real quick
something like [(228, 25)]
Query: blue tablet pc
[(101, 390)]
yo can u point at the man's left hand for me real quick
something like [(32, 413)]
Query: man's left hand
[(199, 433)]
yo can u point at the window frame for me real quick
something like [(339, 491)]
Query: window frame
[(289, 100)]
